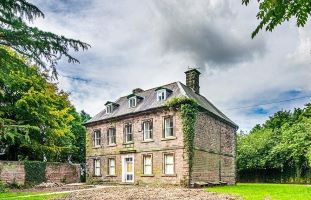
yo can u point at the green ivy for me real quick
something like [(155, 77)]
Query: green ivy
[(35, 172), (188, 109)]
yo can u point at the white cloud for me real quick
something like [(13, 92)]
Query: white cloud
[(149, 43)]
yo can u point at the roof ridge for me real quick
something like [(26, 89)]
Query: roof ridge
[(149, 89)]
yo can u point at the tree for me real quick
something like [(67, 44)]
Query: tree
[(274, 12), (283, 142), (37, 119), (45, 49)]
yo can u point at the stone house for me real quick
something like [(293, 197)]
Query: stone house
[(136, 139)]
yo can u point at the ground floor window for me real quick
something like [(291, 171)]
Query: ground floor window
[(96, 166), (111, 166), (147, 164), (168, 163)]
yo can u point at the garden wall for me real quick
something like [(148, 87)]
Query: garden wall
[(14, 171)]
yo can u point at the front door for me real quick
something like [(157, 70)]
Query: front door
[(128, 168)]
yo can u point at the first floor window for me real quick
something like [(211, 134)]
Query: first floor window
[(111, 166), (169, 163), (147, 164), (96, 165), (111, 135), (168, 126), (147, 130), (128, 133), (96, 138)]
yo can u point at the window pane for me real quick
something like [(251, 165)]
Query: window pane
[(111, 166), (147, 164), (169, 164)]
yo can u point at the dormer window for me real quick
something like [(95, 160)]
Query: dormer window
[(110, 107), (132, 102), (163, 93)]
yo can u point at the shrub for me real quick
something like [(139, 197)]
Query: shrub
[(35, 172)]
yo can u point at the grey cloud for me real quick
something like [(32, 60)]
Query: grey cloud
[(208, 35)]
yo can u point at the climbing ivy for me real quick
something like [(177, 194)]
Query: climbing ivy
[(188, 109), (35, 172)]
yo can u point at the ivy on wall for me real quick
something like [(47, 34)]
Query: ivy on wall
[(34, 172), (188, 109)]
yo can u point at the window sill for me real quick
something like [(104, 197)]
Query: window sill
[(96, 147), (169, 138), (125, 143), (97, 175), (146, 141), (111, 176), (111, 145), (169, 175), (147, 175)]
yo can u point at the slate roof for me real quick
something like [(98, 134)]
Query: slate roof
[(150, 102)]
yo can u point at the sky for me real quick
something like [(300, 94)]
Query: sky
[(146, 44)]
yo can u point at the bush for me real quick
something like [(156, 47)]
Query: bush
[(3, 187), (35, 172)]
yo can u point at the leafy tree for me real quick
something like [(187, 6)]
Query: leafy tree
[(283, 142), (274, 12), (37, 119), (43, 48)]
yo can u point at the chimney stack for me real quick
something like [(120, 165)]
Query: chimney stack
[(192, 80)]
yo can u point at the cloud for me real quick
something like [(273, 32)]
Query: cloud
[(150, 43), (206, 32)]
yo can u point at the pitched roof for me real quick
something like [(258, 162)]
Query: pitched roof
[(150, 102)]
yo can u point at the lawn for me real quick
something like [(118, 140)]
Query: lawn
[(28, 195), (266, 191)]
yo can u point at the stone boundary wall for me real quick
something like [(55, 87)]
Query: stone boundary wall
[(11, 171)]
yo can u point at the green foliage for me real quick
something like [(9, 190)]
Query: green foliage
[(188, 109), (3, 187), (34, 44), (274, 12), (283, 142), (34, 172), (36, 119)]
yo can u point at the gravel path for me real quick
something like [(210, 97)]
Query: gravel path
[(146, 193)]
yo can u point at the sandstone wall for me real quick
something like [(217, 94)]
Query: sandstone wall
[(215, 146), (11, 171)]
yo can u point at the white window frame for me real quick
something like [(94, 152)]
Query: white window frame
[(97, 138), (109, 108), (166, 164), (161, 95), (97, 167), (168, 127), (147, 132), (145, 165), (111, 136), (126, 132), (111, 167), (132, 102)]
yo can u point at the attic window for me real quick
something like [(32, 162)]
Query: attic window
[(109, 108), (132, 102), (161, 95)]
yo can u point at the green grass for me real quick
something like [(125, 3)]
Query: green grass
[(266, 191), (23, 195)]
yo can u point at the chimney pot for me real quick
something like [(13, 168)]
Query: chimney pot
[(193, 80)]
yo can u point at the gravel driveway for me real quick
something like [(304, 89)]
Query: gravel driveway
[(148, 193)]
